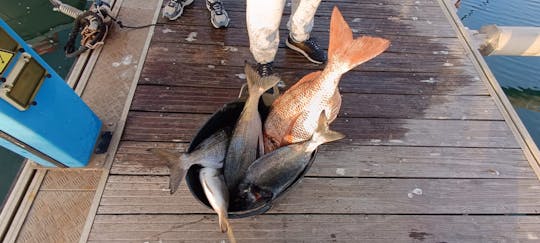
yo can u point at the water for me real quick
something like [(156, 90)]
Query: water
[(47, 32), (11, 164), (518, 76)]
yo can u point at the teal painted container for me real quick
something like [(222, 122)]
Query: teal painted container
[(41, 117)]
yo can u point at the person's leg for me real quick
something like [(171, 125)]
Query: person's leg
[(262, 19), (302, 18), (300, 25)]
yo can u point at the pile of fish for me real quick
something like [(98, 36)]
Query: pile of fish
[(254, 161)]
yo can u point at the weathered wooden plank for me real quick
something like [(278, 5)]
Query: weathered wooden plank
[(419, 107), (429, 133), (133, 158), (428, 79), (219, 76), (181, 127), (196, 100), (360, 18), (238, 37), (218, 55), (152, 126), (370, 8), (181, 99), (364, 161), (387, 25), (239, 6), (150, 195), (317, 228), (332, 160), (427, 10)]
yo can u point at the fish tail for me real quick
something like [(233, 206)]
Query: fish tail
[(223, 221), (225, 226), (178, 172), (257, 85), (323, 134), (230, 233), (176, 163), (346, 52)]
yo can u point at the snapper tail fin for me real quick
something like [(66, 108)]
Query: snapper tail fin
[(347, 52)]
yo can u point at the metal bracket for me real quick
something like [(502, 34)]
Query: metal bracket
[(103, 142)]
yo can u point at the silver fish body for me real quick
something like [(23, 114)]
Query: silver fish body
[(276, 171), (272, 173), (247, 141), (217, 193), (209, 153)]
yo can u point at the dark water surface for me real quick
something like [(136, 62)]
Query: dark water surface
[(518, 76)]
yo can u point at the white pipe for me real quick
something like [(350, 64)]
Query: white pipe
[(508, 40)]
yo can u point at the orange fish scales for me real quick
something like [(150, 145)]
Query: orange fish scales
[(293, 116)]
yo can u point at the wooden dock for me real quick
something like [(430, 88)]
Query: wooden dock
[(432, 153)]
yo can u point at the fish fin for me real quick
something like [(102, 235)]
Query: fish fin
[(168, 155), (334, 106), (210, 152), (270, 143), (289, 138), (230, 233), (178, 172), (323, 134), (257, 85), (223, 222), (340, 33), (175, 162), (349, 52)]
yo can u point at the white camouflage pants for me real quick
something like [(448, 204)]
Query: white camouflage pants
[(263, 18)]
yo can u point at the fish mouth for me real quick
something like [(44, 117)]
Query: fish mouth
[(260, 194), (250, 197)]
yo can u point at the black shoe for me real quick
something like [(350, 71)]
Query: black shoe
[(265, 70), (309, 48)]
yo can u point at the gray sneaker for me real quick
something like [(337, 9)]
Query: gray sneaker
[(218, 15), (175, 8)]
